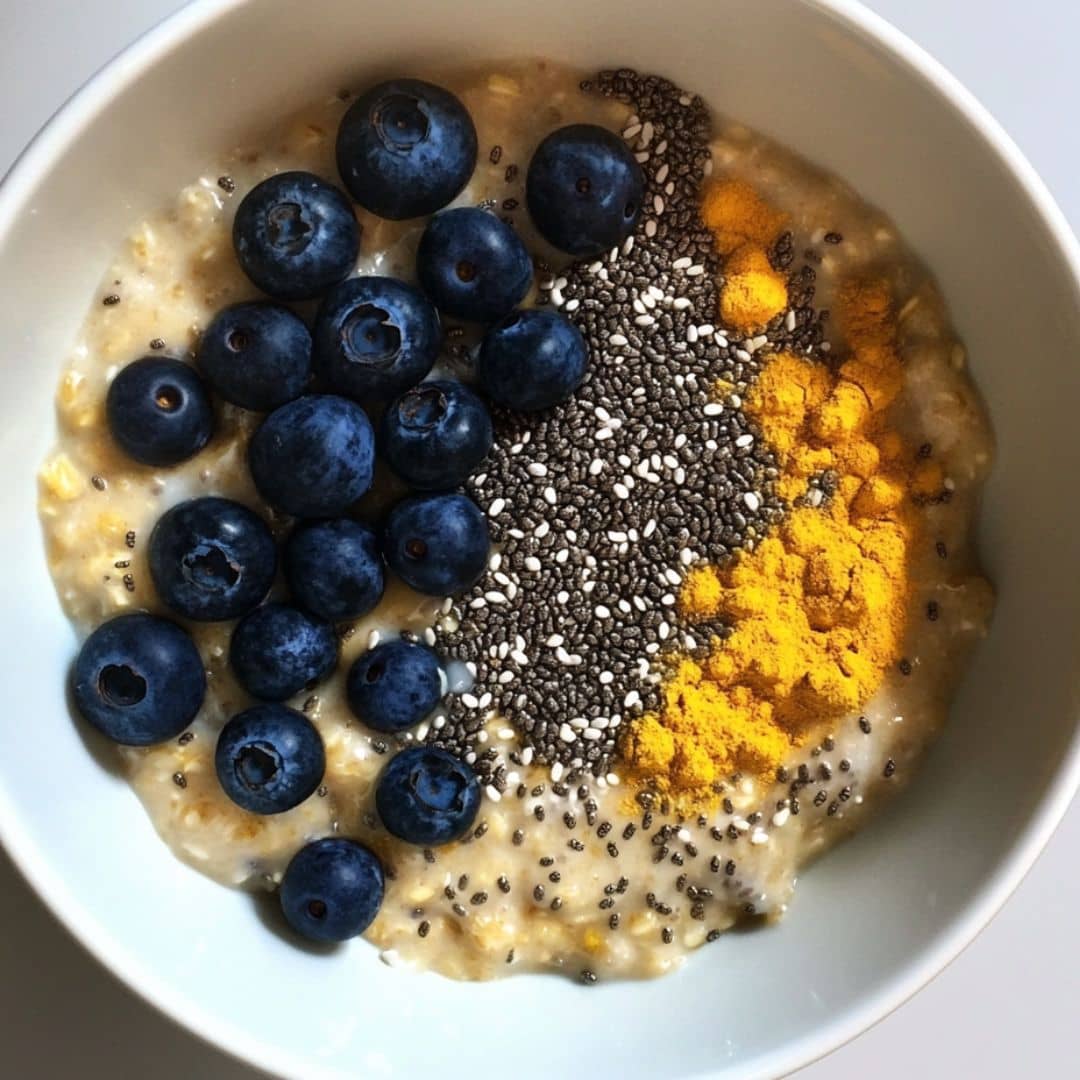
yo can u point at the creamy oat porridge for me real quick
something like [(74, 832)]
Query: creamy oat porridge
[(731, 580)]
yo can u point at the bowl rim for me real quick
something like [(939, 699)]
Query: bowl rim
[(16, 188)]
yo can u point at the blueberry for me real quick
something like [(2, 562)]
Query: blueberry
[(395, 685), (375, 337), (158, 411), (139, 680), (584, 189), (295, 236), (269, 758), (332, 889), (532, 360), (427, 796), (473, 265), (313, 457), (334, 568), (212, 559), (277, 651), (437, 544), (256, 355), (405, 148), (436, 434)]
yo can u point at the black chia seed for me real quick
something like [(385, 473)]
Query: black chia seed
[(598, 507)]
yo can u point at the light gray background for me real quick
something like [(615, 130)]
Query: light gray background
[(1009, 1006)]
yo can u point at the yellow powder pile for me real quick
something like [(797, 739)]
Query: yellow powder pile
[(745, 226), (818, 608), (738, 215)]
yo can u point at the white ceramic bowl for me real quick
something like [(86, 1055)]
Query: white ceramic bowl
[(879, 916)]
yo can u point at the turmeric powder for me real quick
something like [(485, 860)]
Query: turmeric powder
[(753, 292), (738, 215), (745, 226), (817, 610)]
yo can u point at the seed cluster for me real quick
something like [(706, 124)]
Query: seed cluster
[(599, 506)]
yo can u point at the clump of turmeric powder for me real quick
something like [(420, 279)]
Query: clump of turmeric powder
[(738, 215), (745, 227), (817, 609), (753, 293)]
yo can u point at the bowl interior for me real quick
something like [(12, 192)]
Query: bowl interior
[(870, 922)]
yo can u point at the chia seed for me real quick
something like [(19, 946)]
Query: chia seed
[(564, 472)]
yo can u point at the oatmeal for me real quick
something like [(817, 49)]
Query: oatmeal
[(732, 579)]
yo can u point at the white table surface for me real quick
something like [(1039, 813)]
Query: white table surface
[(1009, 1005)]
